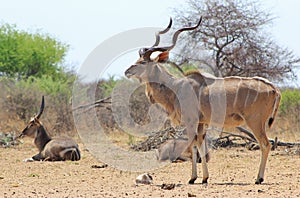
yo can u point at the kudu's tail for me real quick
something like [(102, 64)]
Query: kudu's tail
[(275, 107)]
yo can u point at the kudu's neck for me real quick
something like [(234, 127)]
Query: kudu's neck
[(162, 91), (161, 76), (42, 138)]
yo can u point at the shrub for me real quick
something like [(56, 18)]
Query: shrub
[(290, 101), (22, 99), (288, 121)]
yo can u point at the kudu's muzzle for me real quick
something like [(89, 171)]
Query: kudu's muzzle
[(130, 71)]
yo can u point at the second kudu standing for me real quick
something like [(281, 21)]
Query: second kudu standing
[(196, 100), (50, 148)]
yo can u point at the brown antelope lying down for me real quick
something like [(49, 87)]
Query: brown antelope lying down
[(197, 100), (50, 149), (170, 147)]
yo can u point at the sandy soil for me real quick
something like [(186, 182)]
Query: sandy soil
[(232, 174)]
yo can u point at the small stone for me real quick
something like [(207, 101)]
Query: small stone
[(191, 195), (145, 178), (167, 186), (99, 166), (260, 191)]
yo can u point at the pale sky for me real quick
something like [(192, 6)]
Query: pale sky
[(86, 24)]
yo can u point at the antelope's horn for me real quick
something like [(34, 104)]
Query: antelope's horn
[(41, 108), (176, 34), (162, 32), (146, 52), (143, 51)]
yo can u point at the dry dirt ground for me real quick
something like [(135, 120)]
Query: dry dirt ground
[(232, 174)]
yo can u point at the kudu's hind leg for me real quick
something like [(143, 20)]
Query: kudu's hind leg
[(72, 154), (265, 147)]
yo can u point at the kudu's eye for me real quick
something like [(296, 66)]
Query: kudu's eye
[(143, 62)]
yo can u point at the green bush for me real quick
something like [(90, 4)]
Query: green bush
[(290, 101), (24, 54), (48, 85), (22, 98), (289, 113), (31, 65)]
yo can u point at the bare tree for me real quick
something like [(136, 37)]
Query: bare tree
[(233, 40)]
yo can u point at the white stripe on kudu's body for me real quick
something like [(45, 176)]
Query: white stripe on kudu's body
[(237, 91), (197, 100)]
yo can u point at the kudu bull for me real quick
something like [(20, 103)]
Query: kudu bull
[(50, 149), (197, 100)]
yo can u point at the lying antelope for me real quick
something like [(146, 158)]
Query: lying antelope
[(50, 149), (168, 148), (197, 99)]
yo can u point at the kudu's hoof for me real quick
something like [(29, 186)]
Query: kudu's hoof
[(204, 181), (259, 181), (192, 181)]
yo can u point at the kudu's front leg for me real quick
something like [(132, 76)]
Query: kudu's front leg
[(199, 143), (194, 164), (36, 157), (202, 147)]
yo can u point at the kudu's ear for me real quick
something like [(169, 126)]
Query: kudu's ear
[(162, 57)]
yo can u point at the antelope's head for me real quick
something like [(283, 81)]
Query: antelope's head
[(144, 68), (31, 128)]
